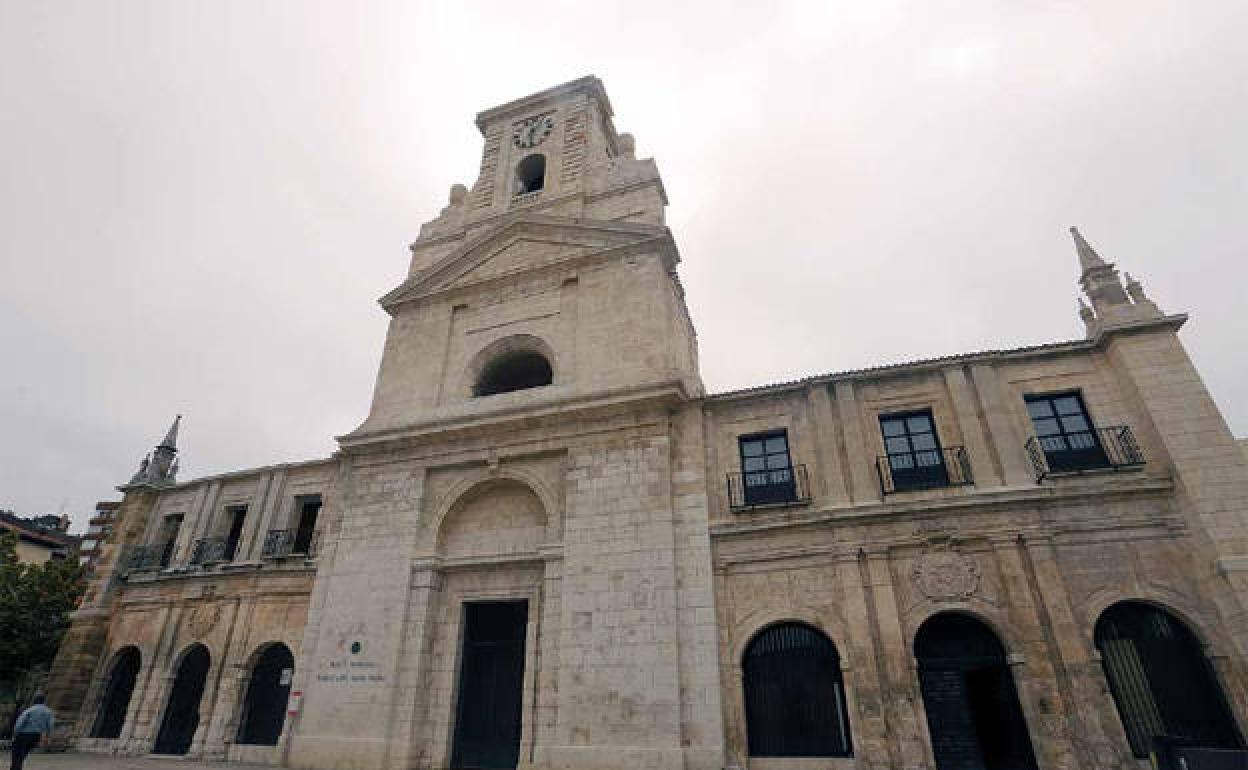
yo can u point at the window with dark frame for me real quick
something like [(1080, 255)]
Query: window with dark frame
[(309, 509), (767, 469), (238, 514), (169, 537), (1065, 432), (913, 450)]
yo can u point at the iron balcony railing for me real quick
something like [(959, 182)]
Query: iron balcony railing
[(281, 543), (209, 550), (924, 469), (777, 486), (154, 556), (1112, 448)]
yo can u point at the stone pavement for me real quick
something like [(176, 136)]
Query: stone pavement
[(81, 761)]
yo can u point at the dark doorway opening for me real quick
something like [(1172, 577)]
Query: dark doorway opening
[(177, 729), (491, 681), (794, 694), (973, 713), (1161, 679), (268, 689), (112, 714)]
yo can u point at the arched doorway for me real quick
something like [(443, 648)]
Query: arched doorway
[(794, 694), (264, 705), (177, 728), (1161, 680), (121, 677), (972, 706)]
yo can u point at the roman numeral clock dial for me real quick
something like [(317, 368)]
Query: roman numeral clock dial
[(531, 132)]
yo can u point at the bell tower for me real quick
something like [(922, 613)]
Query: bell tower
[(557, 260)]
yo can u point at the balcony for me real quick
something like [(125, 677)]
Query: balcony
[(154, 556), (283, 543), (933, 469), (779, 486), (1113, 448), (211, 550)]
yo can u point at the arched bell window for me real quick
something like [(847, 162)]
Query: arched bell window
[(531, 174), (794, 694), (1161, 679), (514, 370)]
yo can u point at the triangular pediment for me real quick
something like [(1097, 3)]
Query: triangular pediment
[(521, 246)]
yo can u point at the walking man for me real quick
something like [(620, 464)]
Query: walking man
[(34, 723)]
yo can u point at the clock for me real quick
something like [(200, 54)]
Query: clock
[(531, 132)]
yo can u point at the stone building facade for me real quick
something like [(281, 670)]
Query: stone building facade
[(548, 546)]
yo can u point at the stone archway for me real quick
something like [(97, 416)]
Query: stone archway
[(268, 689), (181, 718), (973, 713), (122, 674)]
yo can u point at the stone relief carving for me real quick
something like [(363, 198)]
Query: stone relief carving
[(202, 620), (943, 574)]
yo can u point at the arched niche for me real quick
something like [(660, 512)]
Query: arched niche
[(496, 517), (530, 174)]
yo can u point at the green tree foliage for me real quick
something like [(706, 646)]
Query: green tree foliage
[(35, 602)]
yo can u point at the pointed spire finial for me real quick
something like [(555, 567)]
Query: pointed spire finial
[(1088, 258), (171, 438)]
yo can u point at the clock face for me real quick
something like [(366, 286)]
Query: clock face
[(530, 132)]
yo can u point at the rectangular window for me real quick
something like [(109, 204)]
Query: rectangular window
[(169, 537), (1065, 432), (237, 515), (913, 456), (309, 507), (766, 469)]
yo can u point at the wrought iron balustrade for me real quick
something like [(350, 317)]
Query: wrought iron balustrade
[(153, 556), (209, 550), (281, 543), (924, 469), (777, 486), (1112, 448)]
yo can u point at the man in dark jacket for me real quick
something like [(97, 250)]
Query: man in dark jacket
[(34, 723)]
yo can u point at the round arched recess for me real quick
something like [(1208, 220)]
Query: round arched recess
[(268, 689), (496, 517), (794, 694), (1161, 679), (973, 713), (513, 363), (122, 674)]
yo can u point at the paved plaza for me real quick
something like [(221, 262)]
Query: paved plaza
[(81, 761)]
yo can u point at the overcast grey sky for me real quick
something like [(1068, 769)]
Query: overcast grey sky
[(201, 201)]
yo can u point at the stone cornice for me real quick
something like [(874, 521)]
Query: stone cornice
[(663, 394), (975, 502)]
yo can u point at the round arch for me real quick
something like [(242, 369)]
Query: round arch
[(974, 716), (471, 485), (123, 672), (513, 348), (795, 703), (1161, 679), (976, 608), (263, 709), (181, 718)]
